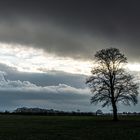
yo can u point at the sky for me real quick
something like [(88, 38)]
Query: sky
[(47, 49)]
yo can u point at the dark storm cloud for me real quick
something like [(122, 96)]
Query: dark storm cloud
[(72, 28), (45, 99), (44, 79), (15, 93), (55, 90)]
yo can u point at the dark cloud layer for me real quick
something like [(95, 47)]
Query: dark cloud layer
[(15, 93), (44, 79), (18, 93), (72, 28)]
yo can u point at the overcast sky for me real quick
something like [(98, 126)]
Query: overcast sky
[(47, 48)]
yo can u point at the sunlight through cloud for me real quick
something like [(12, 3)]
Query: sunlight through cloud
[(134, 67), (27, 59)]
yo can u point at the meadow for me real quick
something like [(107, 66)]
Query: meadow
[(33, 127)]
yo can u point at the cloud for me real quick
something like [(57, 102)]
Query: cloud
[(48, 78), (61, 96), (6, 84), (17, 93), (14, 85), (67, 30), (26, 85)]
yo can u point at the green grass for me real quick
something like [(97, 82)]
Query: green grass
[(16, 127)]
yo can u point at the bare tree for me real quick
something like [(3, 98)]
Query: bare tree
[(110, 83)]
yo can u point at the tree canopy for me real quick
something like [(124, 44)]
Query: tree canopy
[(110, 83)]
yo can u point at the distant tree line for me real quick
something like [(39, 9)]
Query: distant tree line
[(52, 112), (49, 112)]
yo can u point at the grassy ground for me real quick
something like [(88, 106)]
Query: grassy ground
[(18, 127)]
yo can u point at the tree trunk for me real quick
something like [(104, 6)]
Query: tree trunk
[(115, 116)]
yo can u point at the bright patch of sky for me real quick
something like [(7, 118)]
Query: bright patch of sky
[(134, 67), (27, 59)]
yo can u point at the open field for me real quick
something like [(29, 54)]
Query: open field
[(17, 127)]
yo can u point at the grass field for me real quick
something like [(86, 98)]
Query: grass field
[(16, 127)]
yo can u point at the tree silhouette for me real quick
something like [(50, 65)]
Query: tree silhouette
[(110, 83)]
